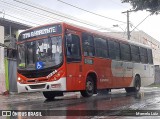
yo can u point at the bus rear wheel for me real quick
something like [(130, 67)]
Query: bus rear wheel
[(137, 84), (88, 92), (49, 95), (136, 87)]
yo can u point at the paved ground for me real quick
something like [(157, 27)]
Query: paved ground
[(98, 106)]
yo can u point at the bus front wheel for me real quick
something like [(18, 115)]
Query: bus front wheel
[(89, 89), (49, 95)]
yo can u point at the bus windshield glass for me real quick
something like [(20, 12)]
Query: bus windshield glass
[(39, 54)]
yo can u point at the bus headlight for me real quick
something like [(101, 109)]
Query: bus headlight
[(19, 79)]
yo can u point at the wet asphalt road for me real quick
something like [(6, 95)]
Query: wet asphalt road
[(114, 102)]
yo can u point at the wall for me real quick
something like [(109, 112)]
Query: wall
[(2, 69), (157, 75)]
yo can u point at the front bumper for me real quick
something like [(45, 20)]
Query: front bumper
[(59, 85)]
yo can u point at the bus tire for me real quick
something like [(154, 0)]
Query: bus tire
[(49, 95), (137, 84), (89, 89), (136, 87)]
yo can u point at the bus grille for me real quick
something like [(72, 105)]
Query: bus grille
[(37, 81), (37, 86), (35, 74)]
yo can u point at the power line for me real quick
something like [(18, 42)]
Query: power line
[(123, 14), (19, 8), (33, 12), (18, 18), (51, 12), (21, 19), (109, 29), (91, 12), (102, 15), (141, 22), (13, 16), (42, 9)]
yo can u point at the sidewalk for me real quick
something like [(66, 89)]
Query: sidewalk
[(15, 97)]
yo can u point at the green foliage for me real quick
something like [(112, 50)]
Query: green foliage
[(150, 5)]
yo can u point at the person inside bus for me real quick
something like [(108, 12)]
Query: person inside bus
[(49, 53), (69, 45), (69, 51)]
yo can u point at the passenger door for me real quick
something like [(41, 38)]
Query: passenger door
[(73, 60)]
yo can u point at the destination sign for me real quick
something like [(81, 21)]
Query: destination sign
[(54, 29)]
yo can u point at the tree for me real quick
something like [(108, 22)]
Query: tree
[(150, 5)]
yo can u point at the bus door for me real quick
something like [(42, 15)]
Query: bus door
[(73, 60)]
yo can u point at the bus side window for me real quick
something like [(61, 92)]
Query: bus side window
[(125, 52), (101, 47), (143, 55), (88, 45), (114, 49), (135, 54), (73, 50), (111, 48)]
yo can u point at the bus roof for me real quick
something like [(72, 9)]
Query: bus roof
[(91, 31), (95, 32)]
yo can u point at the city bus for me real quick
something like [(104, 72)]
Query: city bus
[(63, 57)]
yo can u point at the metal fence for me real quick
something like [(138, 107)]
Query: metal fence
[(12, 75), (11, 69)]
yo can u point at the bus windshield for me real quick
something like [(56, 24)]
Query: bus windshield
[(45, 52)]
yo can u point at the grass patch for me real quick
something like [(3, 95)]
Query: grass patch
[(154, 85)]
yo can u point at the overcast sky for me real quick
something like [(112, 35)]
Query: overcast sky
[(108, 8)]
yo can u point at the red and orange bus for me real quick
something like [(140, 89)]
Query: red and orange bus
[(61, 57)]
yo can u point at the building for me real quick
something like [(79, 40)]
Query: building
[(8, 37), (11, 29)]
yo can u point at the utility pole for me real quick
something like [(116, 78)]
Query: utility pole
[(128, 31)]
